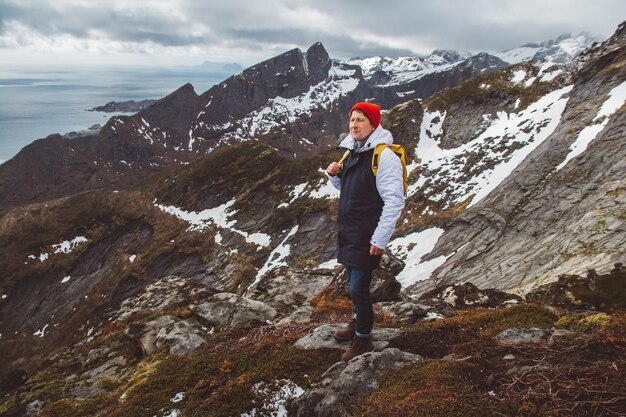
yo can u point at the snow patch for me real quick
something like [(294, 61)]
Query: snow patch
[(322, 190), (411, 249), (612, 104), (64, 247), (529, 82), (489, 158), (276, 258), (276, 395), (42, 332), (178, 397), (68, 245), (518, 76), (219, 216), (329, 265)]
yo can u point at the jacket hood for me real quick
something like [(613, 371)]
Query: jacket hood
[(378, 136)]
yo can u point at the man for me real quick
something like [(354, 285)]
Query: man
[(369, 206)]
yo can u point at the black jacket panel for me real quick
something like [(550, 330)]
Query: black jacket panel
[(360, 207)]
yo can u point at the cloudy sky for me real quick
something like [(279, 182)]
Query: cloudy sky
[(158, 32)]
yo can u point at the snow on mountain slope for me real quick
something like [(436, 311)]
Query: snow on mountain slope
[(218, 216), (561, 50), (617, 98), (477, 167), (405, 69), (279, 112)]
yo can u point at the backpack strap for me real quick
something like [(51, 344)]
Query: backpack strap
[(400, 153), (376, 157)]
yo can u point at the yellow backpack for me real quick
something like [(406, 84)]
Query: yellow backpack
[(397, 149)]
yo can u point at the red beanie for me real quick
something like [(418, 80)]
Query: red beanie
[(371, 110)]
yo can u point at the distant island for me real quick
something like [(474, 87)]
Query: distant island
[(130, 106)]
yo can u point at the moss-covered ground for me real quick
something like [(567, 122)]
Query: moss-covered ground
[(467, 373)]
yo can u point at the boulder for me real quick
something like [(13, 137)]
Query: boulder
[(156, 296), (468, 295), (322, 338), (146, 334), (564, 338), (346, 382), (516, 336), (182, 337), (405, 312), (301, 315), (285, 288), (231, 310)]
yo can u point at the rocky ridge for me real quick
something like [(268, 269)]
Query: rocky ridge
[(296, 102)]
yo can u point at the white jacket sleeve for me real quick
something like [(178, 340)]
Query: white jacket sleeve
[(335, 181), (390, 185)]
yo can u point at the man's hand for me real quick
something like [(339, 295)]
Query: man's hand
[(333, 169), (375, 251)]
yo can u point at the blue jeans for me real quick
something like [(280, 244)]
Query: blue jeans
[(359, 281)]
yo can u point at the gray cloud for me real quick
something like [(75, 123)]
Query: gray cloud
[(261, 29)]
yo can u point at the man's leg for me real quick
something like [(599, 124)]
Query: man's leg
[(346, 334), (359, 280)]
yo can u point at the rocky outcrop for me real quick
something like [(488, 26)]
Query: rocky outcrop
[(286, 289), (468, 295), (230, 310), (322, 338), (130, 106), (172, 114), (345, 383)]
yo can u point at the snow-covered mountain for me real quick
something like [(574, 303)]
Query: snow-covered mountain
[(561, 50), (296, 102), (402, 69)]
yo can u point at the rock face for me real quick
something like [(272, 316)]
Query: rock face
[(545, 219), (345, 383), (227, 309), (286, 289), (518, 336)]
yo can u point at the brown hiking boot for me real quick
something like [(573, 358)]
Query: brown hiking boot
[(358, 346), (347, 333)]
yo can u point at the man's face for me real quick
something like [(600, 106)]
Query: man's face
[(360, 125)]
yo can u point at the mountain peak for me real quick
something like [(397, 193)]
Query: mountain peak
[(562, 50)]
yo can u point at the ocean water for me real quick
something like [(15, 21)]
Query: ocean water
[(37, 102)]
